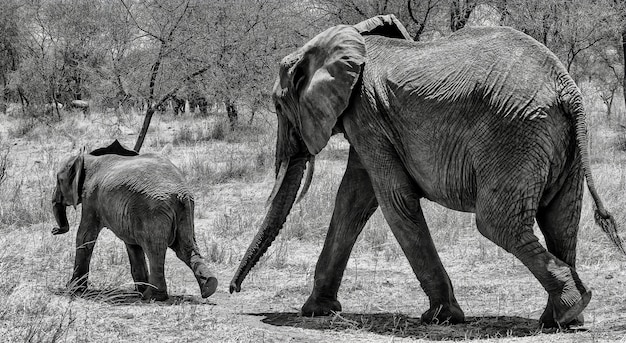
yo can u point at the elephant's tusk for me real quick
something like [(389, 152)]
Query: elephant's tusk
[(309, 177), (282, 171)]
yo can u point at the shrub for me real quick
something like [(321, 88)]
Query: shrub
[(191, 134), (621, 138), (24, 127)]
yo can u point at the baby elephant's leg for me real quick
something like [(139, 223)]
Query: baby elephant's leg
[(157, 289), (192, 258), (138, 267)]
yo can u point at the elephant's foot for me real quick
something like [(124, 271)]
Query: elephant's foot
[(154, 294), (319, 306), (442, 314), (558, 315), (60, 230), (208, 286), (206, 280)]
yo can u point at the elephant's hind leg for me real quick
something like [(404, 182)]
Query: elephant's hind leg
[(138, 266), (506, 217), (157, 289), (354, 205), (192, 258), (558, 221)]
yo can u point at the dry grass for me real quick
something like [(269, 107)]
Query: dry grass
[(232, 174)]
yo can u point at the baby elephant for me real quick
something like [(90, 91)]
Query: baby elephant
[(144, 201)]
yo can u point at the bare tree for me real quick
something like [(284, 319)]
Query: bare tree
[(420, 13), (460, 12), (421, 17), (163, 24), (621, 7), (9, 54)]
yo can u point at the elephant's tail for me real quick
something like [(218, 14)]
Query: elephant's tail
[(183, 223), (572, 100)]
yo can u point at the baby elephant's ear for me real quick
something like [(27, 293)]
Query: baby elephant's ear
[(322, 75), (69, 179)]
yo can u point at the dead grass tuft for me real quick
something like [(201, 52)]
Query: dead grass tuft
[(190, 134)]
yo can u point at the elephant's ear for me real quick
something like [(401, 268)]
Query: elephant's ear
[(115, 148), (320, 76), (383, 25), (71, 177)]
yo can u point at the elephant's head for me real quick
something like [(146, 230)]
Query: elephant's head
[(68, 190), (70, 181), (314, 88)]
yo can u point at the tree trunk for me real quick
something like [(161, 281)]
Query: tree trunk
[(624, 62), (154, 71), (144, 127), (231, 111), (153, 107), (4, 98)]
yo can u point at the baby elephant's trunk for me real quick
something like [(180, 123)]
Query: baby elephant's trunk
[(60, 215)]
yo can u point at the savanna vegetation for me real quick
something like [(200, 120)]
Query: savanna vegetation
[(130, 61)]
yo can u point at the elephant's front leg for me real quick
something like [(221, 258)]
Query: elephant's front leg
[(399, 197), (138, 266), (354, 205), (86, 236)]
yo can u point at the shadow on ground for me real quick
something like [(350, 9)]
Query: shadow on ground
[(116, 296), (399, 325)]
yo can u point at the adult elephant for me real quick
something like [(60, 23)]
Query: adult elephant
[(144, 200), (485, 121)]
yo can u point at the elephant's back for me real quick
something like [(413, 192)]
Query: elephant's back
[(461, 109), (503, 68), (149, 175)]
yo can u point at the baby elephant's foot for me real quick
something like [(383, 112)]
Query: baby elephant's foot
[(444, 314), (154, 294), (320, 306), (208, 287), (206, 280)]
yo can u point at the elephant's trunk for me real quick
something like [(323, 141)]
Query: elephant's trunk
[(60, 215), (281, 204)]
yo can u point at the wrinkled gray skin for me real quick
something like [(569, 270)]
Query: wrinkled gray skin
[(485, 121), (143, 199)]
